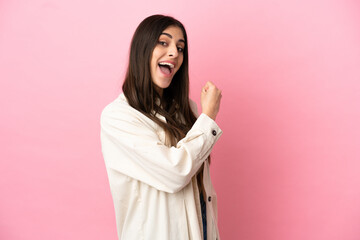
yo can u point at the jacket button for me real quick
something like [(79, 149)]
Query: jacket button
[(209, 198), (214, 132)]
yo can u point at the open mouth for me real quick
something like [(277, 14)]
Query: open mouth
[(166, 68)]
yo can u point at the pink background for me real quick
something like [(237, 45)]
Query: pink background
[(288, 164)]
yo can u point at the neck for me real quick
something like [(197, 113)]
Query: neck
[(159, 90)]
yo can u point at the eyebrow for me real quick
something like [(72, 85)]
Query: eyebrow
[(169, 35)]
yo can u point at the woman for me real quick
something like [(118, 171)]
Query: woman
[(155, 149)]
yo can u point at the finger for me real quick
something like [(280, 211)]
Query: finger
[(209, 84), (206, 87)]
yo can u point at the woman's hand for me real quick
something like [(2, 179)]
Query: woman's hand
[(210, 100)]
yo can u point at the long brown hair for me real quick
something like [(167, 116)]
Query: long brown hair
[(139, 88)]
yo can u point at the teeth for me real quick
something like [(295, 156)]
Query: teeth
[(166, 63)]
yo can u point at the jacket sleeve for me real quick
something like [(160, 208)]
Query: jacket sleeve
[(132, 147)]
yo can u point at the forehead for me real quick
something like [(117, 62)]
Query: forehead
[(174, 31)]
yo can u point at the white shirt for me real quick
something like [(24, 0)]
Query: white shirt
[(154, 186)]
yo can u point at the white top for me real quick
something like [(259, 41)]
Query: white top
[(154, 186)]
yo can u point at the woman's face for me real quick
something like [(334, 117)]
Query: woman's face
[(167, 57)]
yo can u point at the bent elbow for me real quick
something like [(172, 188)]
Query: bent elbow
[(178, 182), (177, 187)]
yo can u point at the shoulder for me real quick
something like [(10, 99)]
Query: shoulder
[(117, 106), (120, 110)]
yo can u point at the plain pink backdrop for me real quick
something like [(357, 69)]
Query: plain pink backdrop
[(288, 164)]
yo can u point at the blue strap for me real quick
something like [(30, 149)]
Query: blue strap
[(203, 214)]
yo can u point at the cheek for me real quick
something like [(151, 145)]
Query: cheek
[(180, 61), (153, 65), (154, 57)]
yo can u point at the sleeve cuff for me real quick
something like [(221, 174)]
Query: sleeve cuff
[(208, 126)]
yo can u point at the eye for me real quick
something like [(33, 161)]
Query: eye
[(180, 49), (162, 43)]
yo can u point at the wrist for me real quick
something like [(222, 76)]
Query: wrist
[(210, 115)]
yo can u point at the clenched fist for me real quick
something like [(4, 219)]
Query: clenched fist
[(210, 100)]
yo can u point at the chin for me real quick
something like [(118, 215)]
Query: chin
[(163, 84)]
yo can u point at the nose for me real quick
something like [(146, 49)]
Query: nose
[(172, 51)]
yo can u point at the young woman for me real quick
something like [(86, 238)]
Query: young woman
[(156, 150)]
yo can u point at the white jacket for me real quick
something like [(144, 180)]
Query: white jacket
[(153, 186)]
